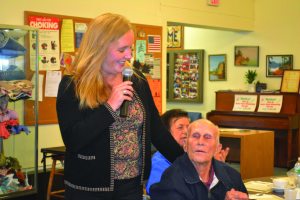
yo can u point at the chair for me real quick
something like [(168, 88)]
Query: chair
[(55, 193), (194, 115)]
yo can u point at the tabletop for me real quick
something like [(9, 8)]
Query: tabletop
[(51, 152)]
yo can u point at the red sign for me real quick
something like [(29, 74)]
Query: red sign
[(213, 2), (45, 23)]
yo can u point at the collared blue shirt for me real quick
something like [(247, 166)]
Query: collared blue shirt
[(159, 165)]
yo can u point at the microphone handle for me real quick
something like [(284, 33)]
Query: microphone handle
[(125, 104), (126, 78), (124, 109)]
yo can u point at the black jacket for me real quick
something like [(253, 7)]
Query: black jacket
[(86, 134), (181, 182)]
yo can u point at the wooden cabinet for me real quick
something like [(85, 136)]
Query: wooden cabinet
[(253, 149)]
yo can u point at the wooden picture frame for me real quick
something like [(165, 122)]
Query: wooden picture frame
[(276, 64), (185, 76), (174, 37), (217, 67), (290, 81), (247, 56)]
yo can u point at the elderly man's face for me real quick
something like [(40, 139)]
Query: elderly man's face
[(201, 143)]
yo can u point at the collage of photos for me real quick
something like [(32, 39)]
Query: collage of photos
[(186, 76)]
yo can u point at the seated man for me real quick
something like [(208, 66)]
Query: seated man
[(196, 174), (177, 122)]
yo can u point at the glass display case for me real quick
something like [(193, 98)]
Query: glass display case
[(18, 83)]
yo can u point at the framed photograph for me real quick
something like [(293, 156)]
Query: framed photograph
[(185, 76), (247, 56), (217, 67), (175, 37), (276, 64), (290, 81)]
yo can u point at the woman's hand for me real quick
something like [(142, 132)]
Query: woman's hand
[(236, 195), (222, 154), (119, 93)]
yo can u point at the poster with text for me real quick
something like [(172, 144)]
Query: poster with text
[(48, 42), (246, 103)]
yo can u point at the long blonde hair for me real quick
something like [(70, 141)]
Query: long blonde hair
[(86, 70)]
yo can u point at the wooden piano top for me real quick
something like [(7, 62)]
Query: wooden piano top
[(290, 104), (254, 120), (288, 118)]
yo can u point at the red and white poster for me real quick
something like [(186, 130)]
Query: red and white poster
[(48, 42)]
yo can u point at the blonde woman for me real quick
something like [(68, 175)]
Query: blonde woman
[(108, 156)]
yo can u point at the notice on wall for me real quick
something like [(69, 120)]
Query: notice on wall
[(53, 79), (80, 29), (270, 103), (156, 69), (67, 36), (246, 103), (48, 42), (140, 50)]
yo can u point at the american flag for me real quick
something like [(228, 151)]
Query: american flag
[(154, 43)]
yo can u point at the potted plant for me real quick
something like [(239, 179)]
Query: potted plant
[(250, 76)]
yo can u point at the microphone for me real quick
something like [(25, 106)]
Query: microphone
[(127, 73)]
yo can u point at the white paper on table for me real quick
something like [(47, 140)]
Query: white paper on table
[(264, 196), (259, 186)]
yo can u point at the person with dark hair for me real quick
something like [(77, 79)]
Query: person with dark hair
[(108, 156), (196, 174), (177, 122)]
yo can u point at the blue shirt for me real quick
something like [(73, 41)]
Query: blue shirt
[(159, 165)]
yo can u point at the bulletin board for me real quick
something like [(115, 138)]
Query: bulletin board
[(47, 107), (149, 36), (148, 51)]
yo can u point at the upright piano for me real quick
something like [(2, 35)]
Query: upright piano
[(285, 124)]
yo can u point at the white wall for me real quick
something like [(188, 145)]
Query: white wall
[(231, 14), (276, 31)]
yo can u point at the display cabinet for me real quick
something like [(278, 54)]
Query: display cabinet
[(18, 83)]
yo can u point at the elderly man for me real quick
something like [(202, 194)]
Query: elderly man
[(196, 175), (177, 122)]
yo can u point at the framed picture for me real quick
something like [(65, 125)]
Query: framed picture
[(185, 76), (175, 37), (247, 56), (276, 64), (217, 67), (290, 81)]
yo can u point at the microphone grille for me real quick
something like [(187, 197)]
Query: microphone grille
[(127, 71)]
